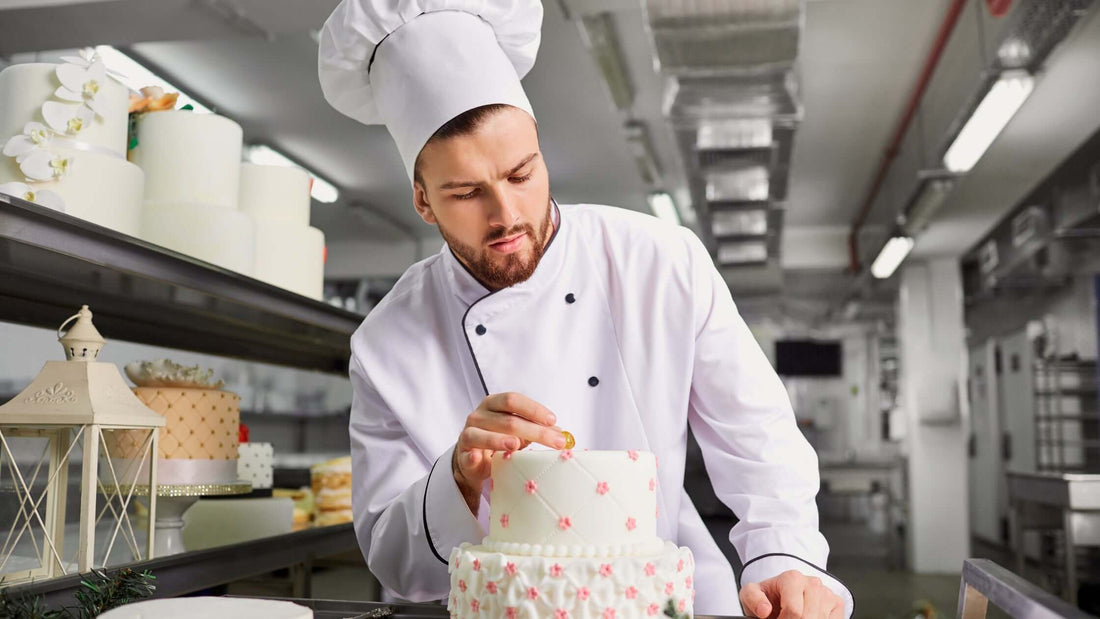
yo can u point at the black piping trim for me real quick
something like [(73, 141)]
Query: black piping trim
[(424, 510), (783, 554), (465, 333)]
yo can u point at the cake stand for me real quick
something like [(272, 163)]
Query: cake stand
[(173, 501)]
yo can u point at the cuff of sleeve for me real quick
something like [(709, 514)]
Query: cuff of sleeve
[(448, 520), (770, 565)]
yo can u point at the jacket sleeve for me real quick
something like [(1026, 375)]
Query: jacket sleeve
[(408, 510), (760, 464)]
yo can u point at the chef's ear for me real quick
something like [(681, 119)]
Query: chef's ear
[(420, 201)]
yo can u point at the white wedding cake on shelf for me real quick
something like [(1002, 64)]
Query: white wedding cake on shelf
[(63, 128), (289, 253), (572, 534), (191, 162)]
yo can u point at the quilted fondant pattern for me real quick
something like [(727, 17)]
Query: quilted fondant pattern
[(200, 424)]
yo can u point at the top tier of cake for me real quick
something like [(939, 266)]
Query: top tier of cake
[(25, 88), (574, 503)]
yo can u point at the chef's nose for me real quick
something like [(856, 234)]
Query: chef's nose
[(503, 208)]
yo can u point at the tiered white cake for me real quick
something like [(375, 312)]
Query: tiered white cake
[(572, 534), (192, 181), (86, 157), (289, 253)]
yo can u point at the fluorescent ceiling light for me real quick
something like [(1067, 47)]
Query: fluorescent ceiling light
[(662, 206), (734, 134), (745, 185), (321, 190), (737, 253), (891, 256), (732, 223), (135, 76), (988, 120)]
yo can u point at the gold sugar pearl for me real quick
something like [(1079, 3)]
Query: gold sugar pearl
[(569, 440)]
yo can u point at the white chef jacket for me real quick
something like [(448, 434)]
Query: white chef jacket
[(628, 333)]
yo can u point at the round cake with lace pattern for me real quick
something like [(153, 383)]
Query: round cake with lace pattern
[(573, 534)]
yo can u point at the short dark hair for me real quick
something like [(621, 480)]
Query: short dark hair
[(463, 124)]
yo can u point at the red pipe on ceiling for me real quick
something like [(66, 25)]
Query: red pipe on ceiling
[(930, 63)]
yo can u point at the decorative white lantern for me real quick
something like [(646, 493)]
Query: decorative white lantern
[(71, 402)]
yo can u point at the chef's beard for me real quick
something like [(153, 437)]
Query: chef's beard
[(496, 271)]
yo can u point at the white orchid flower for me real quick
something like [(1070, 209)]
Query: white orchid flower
[(87, 56), (67, 118), (34, 136), (84, 85), (43, 197), (42, 165)]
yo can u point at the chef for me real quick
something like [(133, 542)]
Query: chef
[(537, 316)]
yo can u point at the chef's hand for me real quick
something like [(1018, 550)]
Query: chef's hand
[(503, 422), (791, 595)]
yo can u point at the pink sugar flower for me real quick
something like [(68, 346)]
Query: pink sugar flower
[(682, 605), (630, 524), (504, 520), (510, 612), (566, 454), (605, 570), (564, 523), (510, 569), (475, 605), (688, 582), (631, 593), (652, 484), (462, 586), (561, 613), (477, 565), (582, 593), (680, 565), (532, 593), (491, 587), (555, 570), (530, 486), (601, 487), (651, 610), (669, 588), (650, 569), (609, 613), (633, 455)]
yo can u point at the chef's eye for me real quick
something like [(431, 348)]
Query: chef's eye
[(521, 179), (466, 196)]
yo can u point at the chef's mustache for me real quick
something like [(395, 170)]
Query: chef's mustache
[(503, 234)]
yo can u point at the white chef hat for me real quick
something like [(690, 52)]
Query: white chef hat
[(413, 65)]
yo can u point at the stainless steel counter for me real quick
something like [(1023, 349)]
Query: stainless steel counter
[(1069, 502)]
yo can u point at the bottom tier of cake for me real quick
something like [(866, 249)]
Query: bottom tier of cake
[(492, 584)]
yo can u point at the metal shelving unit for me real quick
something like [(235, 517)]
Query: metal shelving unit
[(1067, 422), (51, 263)]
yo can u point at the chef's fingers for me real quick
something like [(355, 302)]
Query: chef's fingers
[(522, 429), (754, 602), (791, 586), (812, 602), (838, 609), (474, 437), (519, 404)]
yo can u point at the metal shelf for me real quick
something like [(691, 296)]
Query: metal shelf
[(52, 263), (188, 572)]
